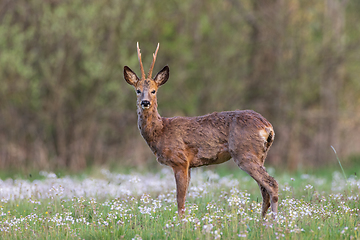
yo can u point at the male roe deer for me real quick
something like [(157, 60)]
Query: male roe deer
[(187, 142)]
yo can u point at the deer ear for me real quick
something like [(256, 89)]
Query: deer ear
[(162, 76), (130, 77)]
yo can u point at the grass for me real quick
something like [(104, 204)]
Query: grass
[(220, 205)]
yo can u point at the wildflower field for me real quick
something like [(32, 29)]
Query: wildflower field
[(143, 206)]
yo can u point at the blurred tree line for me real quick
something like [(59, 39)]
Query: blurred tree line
[(64, 103)]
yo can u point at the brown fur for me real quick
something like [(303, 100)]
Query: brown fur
[(187, 142)]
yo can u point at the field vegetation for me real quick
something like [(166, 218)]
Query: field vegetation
[(220, 205)]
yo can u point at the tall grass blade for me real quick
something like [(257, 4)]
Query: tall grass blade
[(347, 182)]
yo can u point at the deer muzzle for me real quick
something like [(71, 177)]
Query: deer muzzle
[(145, 104)]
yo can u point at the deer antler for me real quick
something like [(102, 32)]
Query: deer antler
[(153, 62), (141, 65)]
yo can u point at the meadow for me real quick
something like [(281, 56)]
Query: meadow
[(220, 205)]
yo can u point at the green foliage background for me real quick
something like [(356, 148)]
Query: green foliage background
[(64, 103)]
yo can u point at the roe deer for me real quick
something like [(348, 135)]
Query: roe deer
[(187, 142)]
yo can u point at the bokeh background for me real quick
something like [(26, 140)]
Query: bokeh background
[(64, 103)]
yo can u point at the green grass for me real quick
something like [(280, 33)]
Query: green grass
[(223, 205)]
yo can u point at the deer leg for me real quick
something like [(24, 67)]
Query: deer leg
[(266, 200), (182, 178), (250, 165), (189, 177)]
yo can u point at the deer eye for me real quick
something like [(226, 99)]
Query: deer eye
[(138, 91), (153, 91)]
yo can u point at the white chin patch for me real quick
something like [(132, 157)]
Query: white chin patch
[(143, 107)]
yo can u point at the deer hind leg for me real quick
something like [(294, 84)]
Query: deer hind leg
[(266, 200), (268, 185), (182, 178)]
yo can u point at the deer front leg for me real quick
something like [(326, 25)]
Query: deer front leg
[(182, 178)]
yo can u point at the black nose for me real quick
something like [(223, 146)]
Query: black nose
[(145, 103)]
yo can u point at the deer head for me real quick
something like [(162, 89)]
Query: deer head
[(146, 87)]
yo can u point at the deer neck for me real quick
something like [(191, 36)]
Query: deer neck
[(150, 124)]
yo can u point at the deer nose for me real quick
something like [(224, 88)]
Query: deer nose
[(145, 104)]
